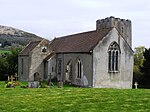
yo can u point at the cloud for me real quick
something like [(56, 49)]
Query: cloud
[(50, 18)]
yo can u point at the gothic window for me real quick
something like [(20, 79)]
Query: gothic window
[(79, 68), (113, 57)]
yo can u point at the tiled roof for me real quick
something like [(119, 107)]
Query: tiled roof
[(29, 48), (49, 56), (82, 42)]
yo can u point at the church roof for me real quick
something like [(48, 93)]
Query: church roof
[(29, 48), (49, 56), (81, 42)]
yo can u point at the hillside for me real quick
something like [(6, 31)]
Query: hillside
[(11, 36)]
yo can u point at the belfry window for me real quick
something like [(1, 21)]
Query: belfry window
[(44, 49), (113, 57)]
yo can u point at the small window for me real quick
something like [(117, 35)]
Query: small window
[(113, 57), (44, 49), (52, 69), (59, 66), (122, 29), (79, 69), (22, 62)]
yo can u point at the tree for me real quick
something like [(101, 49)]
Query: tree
[(9, 63), (3, 67), (138, 55), (145, 69), (12, 60), (138, 61)]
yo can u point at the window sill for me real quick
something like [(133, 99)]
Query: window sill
[(113, 71)]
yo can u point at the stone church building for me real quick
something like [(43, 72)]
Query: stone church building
[(102, 58)]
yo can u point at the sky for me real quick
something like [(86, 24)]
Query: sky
[(55, 18)]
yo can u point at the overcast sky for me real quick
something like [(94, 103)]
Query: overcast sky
[(55, 18)]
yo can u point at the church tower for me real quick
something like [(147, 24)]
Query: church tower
[(123, 26)]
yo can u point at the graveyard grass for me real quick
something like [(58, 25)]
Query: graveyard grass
[(73, 99)]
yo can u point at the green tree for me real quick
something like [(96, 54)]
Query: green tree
[(3, 67), (145, 69), (138, 61), (138, 56), (12, 60), (9, 63)]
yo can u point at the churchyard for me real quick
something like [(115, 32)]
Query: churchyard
[(72, 99)]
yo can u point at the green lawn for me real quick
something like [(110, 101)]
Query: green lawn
[(71, 99)]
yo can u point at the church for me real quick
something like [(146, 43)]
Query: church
[(101, 58)]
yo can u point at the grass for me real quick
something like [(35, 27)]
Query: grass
[(71, 99)]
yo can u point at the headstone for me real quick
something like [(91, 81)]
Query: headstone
[(60, 84), (11, 78), (135, 84), (34, 84)]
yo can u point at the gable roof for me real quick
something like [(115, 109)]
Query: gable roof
[(81, 42), (49, 56), (29, 48)]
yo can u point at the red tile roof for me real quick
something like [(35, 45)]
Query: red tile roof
[(82, 42), (29, 48)]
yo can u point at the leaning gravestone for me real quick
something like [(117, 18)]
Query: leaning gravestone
[(34, 84)]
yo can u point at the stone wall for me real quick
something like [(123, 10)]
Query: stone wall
[(23, 68), (86, 60), (101, 77), (37, 60)]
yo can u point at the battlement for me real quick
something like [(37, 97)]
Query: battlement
[(123, 26)]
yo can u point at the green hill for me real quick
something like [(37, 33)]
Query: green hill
[(13, 37)]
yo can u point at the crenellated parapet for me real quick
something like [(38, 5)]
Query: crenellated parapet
[(123, 26)]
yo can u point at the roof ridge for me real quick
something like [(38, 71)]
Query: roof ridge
[(75, 34), (80, 42), (29, 47)]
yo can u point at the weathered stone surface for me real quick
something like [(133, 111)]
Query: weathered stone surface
[(34, 84)]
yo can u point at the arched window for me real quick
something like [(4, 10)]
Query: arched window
[(79, 68), (113, 57)]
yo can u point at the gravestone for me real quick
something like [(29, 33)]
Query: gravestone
[(135, 84), (34, 84)]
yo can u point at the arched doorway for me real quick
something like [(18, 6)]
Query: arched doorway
[(69, 72), (36, 76)]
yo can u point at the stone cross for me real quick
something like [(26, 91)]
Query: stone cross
[(11, 78), (135, 84)]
